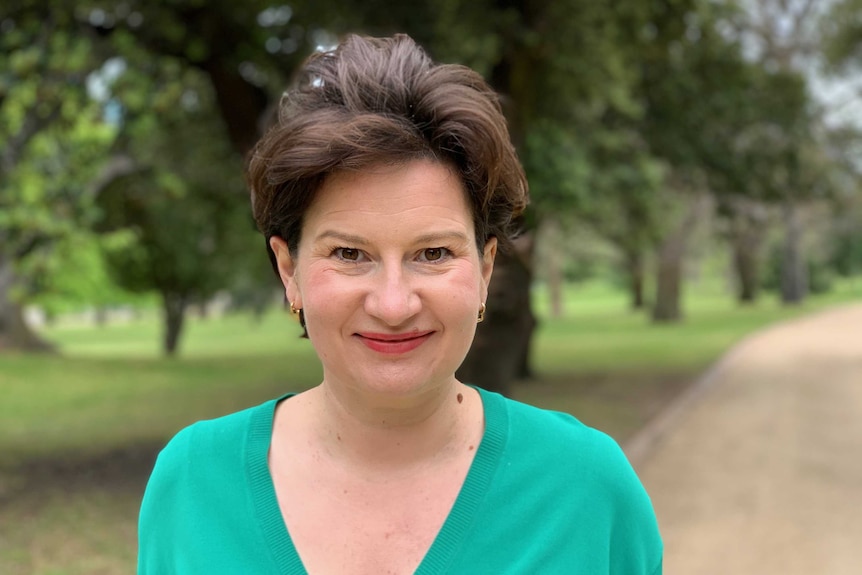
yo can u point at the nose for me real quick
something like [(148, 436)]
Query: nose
[(392, 297)]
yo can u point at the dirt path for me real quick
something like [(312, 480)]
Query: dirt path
[(759, 470)]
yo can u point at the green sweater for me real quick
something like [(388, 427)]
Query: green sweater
[(545, 494)]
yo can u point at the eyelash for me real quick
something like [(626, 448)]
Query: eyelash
[(445, 253), (338, 253)]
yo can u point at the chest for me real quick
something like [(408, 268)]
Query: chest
[(343, 523)]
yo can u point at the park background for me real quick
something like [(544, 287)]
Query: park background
[(695, 175)]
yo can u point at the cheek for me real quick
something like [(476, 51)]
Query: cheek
[(325, 298), (463, 292), (317, 281)]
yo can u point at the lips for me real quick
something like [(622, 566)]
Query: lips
[(394, 344)]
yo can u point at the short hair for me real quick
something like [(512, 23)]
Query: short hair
[(383, 100)]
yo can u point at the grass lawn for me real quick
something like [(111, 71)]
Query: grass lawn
[(78, 432), (614, 369)]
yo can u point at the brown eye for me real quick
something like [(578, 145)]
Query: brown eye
[(433, 254), (348, 254)]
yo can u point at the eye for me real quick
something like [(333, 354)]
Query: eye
[(347, 254), (433, 254)]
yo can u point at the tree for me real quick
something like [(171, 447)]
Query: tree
[(53, 142), (767, 156), (846, 257), (842, 30), (559, 187), (184, 202), (627, 202), (77, 277), (746, 223), (728, 128), (683, 87), (784, 37)]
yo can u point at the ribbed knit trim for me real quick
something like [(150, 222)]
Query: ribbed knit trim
[(457, 525), (263, 491), (464, 512)]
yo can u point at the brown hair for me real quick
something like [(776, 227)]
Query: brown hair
[(375, 100)]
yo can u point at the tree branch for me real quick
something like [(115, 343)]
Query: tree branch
[(118, 166), (33, 123)]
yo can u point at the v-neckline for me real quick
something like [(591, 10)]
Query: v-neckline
[(451, 535)]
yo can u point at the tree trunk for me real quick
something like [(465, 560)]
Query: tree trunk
[(748, 228), (501, 351), (794, 276), (747, 274), (524, 370), (553, 240), (501, 348), (100, 316), (242, 104), (14, 331), (203, 309), (174, 308), (670, 264), (634, 270), (668, 282)]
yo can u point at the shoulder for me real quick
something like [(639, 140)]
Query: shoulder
[(559, 435), (173, 462), (203, 463), (204, 451), (586, 468), (561, 440), (208, 437)]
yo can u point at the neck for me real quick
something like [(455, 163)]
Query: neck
[(402, 433)]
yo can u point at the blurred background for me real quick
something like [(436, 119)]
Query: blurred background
[(695, 174)]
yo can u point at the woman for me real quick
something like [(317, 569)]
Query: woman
[(384, 193)]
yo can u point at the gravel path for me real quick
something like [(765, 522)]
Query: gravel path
[(758, 470)]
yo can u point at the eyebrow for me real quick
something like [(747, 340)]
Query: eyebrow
[(432, 237), (346, 238)]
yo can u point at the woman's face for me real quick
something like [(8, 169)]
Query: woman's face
[(389, 277)]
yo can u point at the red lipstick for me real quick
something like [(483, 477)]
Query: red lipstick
[(394, 343)]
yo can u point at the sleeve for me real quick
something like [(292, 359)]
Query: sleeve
[(636, 547), (162, 507)]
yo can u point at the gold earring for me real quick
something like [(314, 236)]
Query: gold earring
[(293, 310), (481, 317)]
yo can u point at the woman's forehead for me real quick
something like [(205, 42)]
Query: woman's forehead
[(424, 195)]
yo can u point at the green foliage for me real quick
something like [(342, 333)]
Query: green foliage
[(76, 277), (607, 102), (846, 237), (559, 166), (708, 109), (184, 204), (847, 254), (246, 50), (627, 205), (52, 145), (842, 27)]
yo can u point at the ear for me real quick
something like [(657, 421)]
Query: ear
[(286, 270), (488, 256)]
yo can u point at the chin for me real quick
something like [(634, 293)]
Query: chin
[(399, 383)]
